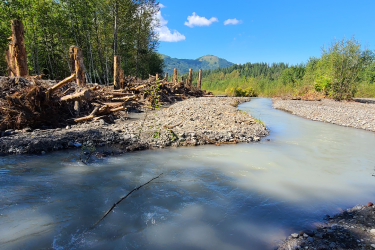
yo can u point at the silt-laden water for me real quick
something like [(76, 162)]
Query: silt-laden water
[(246, 196)]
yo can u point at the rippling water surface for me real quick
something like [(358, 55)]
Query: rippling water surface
[(246, 196)]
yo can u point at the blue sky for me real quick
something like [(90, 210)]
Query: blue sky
[(262, 31)]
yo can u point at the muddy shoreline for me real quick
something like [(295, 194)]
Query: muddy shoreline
[(196, 121)]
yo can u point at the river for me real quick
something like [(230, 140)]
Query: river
[(245, 196)]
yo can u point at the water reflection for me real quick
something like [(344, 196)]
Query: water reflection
[(245, 196)]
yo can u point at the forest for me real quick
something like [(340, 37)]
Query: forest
[(101, 28), (343, 71)]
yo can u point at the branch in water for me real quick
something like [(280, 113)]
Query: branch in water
[(123, 198)]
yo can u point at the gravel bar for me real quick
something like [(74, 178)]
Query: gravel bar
[(192, 122), (348, 114), (353, 228)]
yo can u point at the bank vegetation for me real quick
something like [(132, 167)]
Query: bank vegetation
[(343, 71)]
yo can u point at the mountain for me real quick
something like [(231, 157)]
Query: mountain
[(183, 65)]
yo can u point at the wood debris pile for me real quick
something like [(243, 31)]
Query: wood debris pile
[(36, 103)]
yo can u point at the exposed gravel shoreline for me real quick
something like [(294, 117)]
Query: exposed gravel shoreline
[(192, 122), (351, 229), (348, 114)]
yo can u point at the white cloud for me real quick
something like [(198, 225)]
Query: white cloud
[(165, 34), (232, 21), (196, 20)]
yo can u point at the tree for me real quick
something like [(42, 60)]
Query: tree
[(344, 62)]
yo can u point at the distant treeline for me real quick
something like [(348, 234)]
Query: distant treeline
[(101, 28), (343, 71)]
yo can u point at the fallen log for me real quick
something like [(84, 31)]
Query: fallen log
[(117, 109), (62, 83), (68, 90), (127, 98), (89, 117), (114, 104), (141, 87), (83, 95)]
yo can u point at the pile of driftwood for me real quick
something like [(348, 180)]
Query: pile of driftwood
[(28, 101), (35, 103)]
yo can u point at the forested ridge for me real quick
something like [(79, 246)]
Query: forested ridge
[(204, 62), (101, 28)]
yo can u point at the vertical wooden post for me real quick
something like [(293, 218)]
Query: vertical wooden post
[(72, 61), (116, 73), (190, 77), (16, 55), (76, 61), (199, 83), (166, 77), (157, 76), (182, 79), (175, 75), (77, 108)]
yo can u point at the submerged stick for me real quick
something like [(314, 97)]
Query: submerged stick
[(123, 198)]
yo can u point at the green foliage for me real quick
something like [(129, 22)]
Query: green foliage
[(52, 26), (259, 121), (344, 65), (323, 84), (238, 92), (342, 71)]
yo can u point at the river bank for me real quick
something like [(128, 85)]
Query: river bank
[(192, 122), (353, 228), (348, 114)]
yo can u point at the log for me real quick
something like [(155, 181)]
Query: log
[(157, 77), (77, 105), (62, 83), (190, 77), (175, 75), (120, 94), (10, 60), (117, 109), (16, 56), (199, 83), (76, 55), (89, 117), (114, 104), (141, 87), (72, 60), (166, 77), (127, 98), (116, 73), (80, 96)]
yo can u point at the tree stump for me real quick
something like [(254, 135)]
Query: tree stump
[(117, 72), (16, 56), (199, 83), (190, 77), (175, 75), (77, 65)]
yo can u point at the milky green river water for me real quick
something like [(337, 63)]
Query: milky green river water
[(246, 196)]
